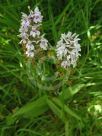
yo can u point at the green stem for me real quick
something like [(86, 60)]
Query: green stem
[(66, 128)]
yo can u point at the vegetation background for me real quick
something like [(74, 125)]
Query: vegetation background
[(74, 108)]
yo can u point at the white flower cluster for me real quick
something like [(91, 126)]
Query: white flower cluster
[(68, 49), (30, 33), (32, 39)]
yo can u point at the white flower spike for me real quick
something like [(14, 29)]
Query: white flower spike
[(68, 49), (30, 32)]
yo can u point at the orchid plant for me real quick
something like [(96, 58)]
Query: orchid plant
[(66, 52), (67, 48)]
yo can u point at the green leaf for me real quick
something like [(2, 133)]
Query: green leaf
[(58, 112), (32, 109), (66, 108), (69, 92)]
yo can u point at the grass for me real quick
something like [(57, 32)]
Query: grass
[(33, 104)]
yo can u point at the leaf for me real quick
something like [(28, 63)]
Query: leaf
[(56, 110), (69, 92), (66, 108), (32, 109)]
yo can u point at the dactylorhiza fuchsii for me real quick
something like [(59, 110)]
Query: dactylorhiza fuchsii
[(31, 37), (67, 48)]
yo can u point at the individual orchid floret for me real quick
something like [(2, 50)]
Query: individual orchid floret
[(29, 49), (34, 32), (68, 49), (37, 16), (31, 36), (43, 43)]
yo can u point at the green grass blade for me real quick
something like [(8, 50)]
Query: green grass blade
[(58, 112), (66, 108)]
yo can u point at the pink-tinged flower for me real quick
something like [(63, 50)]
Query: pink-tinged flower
[(29, 46), (43, 43), (30, 54), (24, 35), (65, 64), (29, 49), (25, 23), (34, 32), (37, 16)]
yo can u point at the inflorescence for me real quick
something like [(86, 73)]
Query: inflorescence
[(31, 37), (67, 48)]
